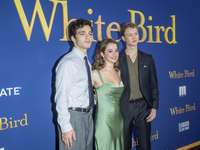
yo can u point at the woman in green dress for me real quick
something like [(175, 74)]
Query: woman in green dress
[(109, 87)]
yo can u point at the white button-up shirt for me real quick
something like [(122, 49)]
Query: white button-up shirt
[(71, 86)]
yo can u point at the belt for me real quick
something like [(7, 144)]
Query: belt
[(80, 109), (136, 100)]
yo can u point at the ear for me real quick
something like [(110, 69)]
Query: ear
[(123, 38), (73, 39), (101, 53)]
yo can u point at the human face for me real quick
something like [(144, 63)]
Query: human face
[(131, 36), (111, 53), (83, 38)]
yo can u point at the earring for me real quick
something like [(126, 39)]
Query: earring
[(103, 58)]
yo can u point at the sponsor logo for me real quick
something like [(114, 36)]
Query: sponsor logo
[(6, 123), (182, 91), (178, 75), (10, 91), (180, 110), (183, 126), (152, 137)]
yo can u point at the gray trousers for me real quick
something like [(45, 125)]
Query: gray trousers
[(83, 126)]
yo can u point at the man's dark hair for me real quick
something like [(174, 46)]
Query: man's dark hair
[(79, 23), (128, 25)]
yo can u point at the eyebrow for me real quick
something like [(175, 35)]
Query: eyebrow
[(84, 32), (112, 49), (81, 32), (131, 32)]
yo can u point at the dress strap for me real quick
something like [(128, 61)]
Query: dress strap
[(100, 77), (119, 75)]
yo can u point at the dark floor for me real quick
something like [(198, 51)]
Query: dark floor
[(195, 148)]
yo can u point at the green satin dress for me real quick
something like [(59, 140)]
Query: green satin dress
[(109, 127)]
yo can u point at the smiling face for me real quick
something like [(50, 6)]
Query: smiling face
[(131, 36), (83, 39), (111, 53)]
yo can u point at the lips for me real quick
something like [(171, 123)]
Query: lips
[(115, 58)]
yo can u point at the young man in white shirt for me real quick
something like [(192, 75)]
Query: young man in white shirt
[(73, 91)]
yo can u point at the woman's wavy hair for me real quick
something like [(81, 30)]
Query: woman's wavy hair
[(99, 60)]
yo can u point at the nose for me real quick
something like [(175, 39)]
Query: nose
[(88, 36)]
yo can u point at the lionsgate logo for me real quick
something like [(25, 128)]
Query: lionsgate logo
[(182, 91), (183, 126), (10, 91)]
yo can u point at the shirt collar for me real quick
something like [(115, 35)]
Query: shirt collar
[(78, 53)]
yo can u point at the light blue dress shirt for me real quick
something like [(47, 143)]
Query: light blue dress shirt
[(71, 86)]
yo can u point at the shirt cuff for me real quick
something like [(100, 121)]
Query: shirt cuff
[(66, 128)]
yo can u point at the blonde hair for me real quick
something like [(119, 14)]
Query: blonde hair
[(128, 25)]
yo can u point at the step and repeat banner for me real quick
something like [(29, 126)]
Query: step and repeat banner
[(34, 35)]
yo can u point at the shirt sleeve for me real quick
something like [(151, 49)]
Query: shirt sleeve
[(154, 85), (64, 79)]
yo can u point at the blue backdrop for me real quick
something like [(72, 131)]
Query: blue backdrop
[(33, 36)]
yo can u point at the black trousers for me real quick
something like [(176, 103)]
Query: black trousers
[(138, 113)]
